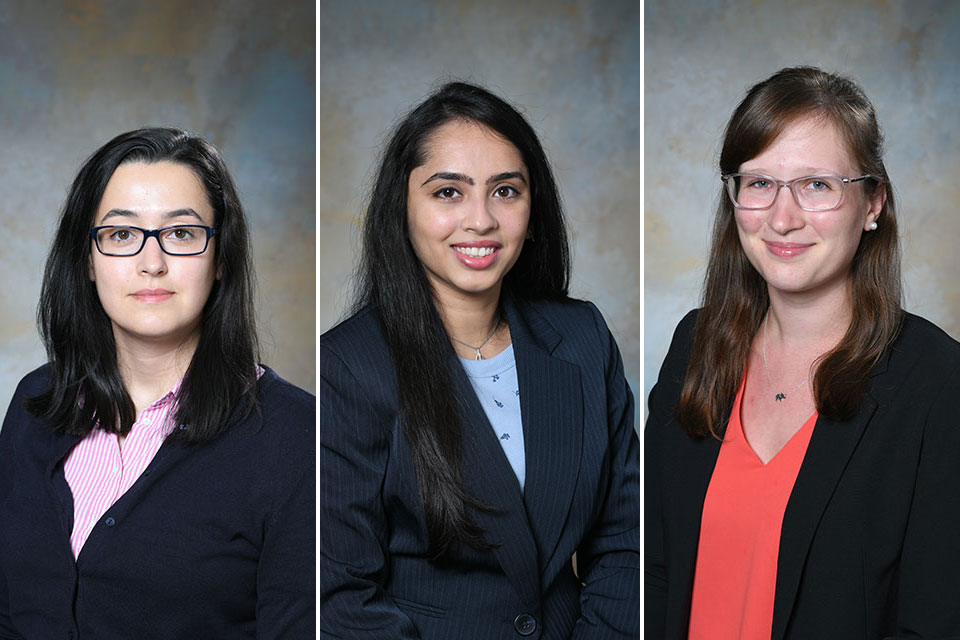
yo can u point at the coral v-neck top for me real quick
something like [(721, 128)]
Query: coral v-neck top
[(736, 571)]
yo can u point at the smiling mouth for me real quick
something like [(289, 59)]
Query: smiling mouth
[(787, 249), (475, 252)]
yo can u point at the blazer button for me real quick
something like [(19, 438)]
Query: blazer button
[(525, 624), (109, 522)]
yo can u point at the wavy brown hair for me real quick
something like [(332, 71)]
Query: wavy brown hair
[(735, 296)]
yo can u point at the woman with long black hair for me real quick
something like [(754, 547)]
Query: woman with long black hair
[(155, 481), (476, 428)]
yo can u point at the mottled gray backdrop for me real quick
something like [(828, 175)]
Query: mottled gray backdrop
[(239, 73), (574, 69), (699, 59)]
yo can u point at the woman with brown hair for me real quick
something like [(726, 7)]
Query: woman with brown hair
[(801, 446)]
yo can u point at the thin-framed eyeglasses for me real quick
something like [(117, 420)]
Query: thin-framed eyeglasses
[(175, 240), (755, 191)]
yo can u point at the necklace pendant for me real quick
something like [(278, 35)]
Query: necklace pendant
[(479, 357), (780, 397)]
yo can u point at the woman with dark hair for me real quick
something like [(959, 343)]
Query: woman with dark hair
[(801, 446), (155, 481), (476, 428)]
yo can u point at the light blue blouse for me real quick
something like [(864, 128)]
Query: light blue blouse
[(495, 382)]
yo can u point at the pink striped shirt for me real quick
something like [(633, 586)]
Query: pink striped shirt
[(99, 470)]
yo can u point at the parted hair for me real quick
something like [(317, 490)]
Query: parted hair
[(735, 296), (86, 389), (391, 279)]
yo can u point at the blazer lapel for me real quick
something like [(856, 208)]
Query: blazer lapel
[(551, 406), (692, 467), (490, 478), (527, 527), (830, 448)]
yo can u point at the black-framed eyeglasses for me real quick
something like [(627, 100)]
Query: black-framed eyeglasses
[(175, 240), (755, 191)]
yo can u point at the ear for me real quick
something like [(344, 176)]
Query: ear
[(90, 273), (219, 273), (877, 200)]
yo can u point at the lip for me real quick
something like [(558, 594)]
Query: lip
[(787, 249), (152, 296), (477, 263)]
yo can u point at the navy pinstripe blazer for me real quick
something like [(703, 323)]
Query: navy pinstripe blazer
[(582, 494)]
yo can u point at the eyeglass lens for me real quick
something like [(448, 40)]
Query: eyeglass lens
[(815, 193), (126, 241)]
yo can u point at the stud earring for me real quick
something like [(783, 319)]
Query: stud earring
[(872, 227)]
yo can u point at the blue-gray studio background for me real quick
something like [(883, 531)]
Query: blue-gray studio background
[(239, 73), (573, 67), (700, 57)]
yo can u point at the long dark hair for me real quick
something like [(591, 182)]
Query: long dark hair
[(86, 387), (392, 280), (735, 296)]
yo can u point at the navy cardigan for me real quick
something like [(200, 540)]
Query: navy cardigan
[(582, 494), (212, 541)]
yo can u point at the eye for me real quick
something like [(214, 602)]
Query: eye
[(818, 185), (758, 183), (446, 193), (121, 235), (506, 192)]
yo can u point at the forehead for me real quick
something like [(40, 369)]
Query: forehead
[(467, 142), (810, 144), (147, 189)]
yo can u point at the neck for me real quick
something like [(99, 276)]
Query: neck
[(469, 318), (802, 320), (149, 369)]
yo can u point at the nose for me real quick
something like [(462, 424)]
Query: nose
[(785, 214), (478, 217), (151, 259)]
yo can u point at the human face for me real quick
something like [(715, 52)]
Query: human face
[(153, 297), (797, 251), (468, 207)]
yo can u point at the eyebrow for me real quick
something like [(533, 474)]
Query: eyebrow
[(461, 177), (812, 171), (176, 213)]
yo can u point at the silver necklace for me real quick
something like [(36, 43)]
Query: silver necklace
[(779, 397), (480, 357)]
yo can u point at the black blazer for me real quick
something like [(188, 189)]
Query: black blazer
[(582, 494), (870, 543)]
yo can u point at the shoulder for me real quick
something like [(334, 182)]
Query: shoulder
[(356, 364), (579, 321), (922, 349), (917, 332), (19, 425), (277, 394), (285, 418), (665, 394), (356, 343), (31, 385), (567, 313), (35, 382), (680, 345), (359, 329)]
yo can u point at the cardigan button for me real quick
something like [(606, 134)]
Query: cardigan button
[(525, 624), (109, 522)]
